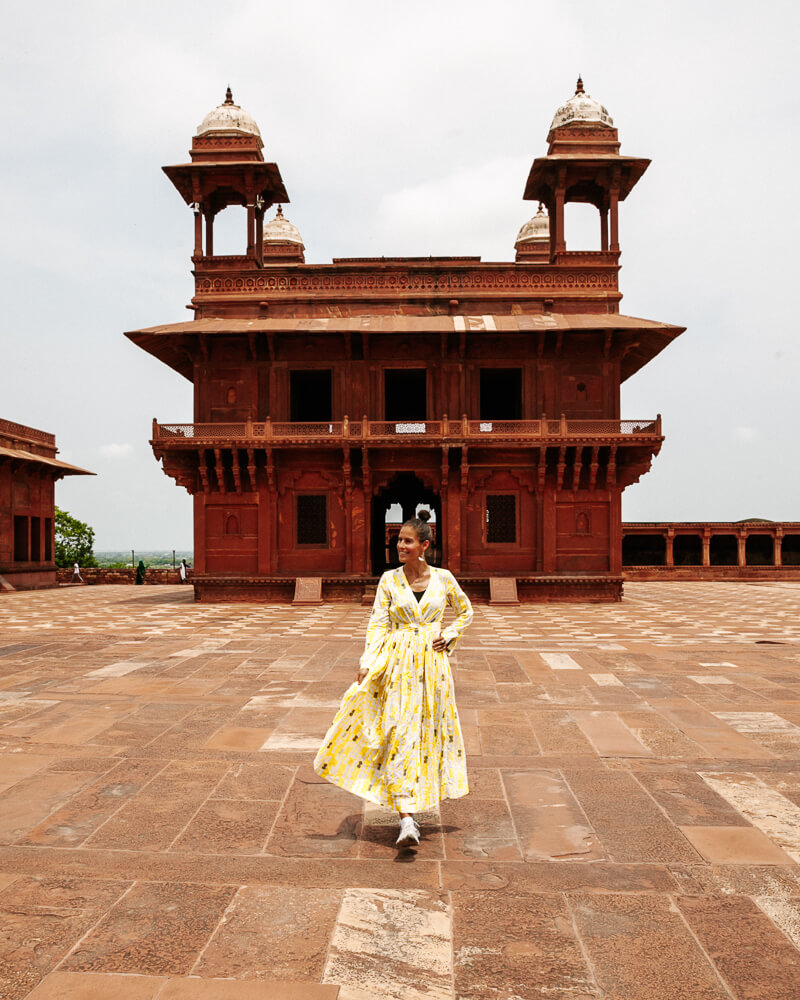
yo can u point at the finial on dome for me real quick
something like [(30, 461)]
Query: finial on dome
[(581, 108), (228, 117), (534, 233), (280, 230)]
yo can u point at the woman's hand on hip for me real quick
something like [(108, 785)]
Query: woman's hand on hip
[(440, 643), (361, 674)]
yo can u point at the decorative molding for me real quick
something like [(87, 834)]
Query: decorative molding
[(522, 280)]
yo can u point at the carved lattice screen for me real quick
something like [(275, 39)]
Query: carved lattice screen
[(501, 517)]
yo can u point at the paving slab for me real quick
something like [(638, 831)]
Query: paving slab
[(634, 791)]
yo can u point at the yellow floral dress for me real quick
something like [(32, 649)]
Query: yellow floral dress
[(396, 739)]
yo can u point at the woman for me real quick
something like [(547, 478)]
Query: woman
[(396, 739)]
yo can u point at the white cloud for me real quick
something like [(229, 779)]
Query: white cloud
[(746, 434), (116, 450)]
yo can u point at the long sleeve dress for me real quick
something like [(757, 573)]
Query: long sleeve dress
[(396, 739)]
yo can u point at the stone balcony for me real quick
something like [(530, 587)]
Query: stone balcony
[(398, 433)]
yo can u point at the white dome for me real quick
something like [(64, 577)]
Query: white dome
[(280, 230), (581, 108), (535, 229), (228, 117)]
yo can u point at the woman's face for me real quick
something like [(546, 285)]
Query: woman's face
[(409, 547)]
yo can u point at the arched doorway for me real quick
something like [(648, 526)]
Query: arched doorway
[(407, 491)]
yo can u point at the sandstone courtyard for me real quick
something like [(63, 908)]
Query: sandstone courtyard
[(632, 831)]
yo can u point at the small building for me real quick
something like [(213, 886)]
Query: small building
[(329, 395), (754, 548), (29, 471)]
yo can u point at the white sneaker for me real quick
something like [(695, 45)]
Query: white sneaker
[(409, 833)]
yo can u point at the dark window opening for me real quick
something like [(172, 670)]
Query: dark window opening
[(501, 394), (48, 539), (311, 397), (758, 550), (36, 539), (406, 394), (644, 550), (723, 550), (501, 518), (790, 550), (687, 550), (20, 539), (312, 519), (232, 525)]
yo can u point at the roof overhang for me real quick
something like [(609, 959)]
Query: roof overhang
[(192, 179), (545, 171), (64, 468), (176, 344)]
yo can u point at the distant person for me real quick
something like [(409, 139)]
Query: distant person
[(140, 571), (76, 574), (182, 570)]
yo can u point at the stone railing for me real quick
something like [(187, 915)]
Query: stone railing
[(254, 433), (19, 431)]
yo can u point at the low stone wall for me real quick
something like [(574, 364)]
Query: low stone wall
[(711, 572), (104, 574)]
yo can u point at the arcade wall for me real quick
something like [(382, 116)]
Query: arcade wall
[(718, 550)]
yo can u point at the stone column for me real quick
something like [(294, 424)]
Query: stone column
[(348, 512), (670, 546), (549, 531), (777, 556), (558, 221), (198, 232), (614, 211), (209, 234), (742, 540), (251, 230), (706, 547)]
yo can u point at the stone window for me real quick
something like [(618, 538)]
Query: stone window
[(687, 550), (312, 519), (759, 550), (723, 550), (20, 538), (790, 550), (644, 550), (501, 393), (501, 518), (405, 392), (36, 539), (310, 396)]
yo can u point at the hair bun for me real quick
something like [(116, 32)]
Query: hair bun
[(424, 515)]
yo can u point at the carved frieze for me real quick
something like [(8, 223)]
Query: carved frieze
[(409, 282)]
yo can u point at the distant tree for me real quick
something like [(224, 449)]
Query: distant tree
[(74, 541)]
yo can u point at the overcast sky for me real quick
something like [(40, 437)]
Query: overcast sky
[(401, 129)]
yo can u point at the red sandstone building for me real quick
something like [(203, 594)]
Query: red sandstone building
[(29, 471), (716, 550), (327, 394)]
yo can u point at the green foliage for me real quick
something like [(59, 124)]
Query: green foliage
[(74, 541)]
